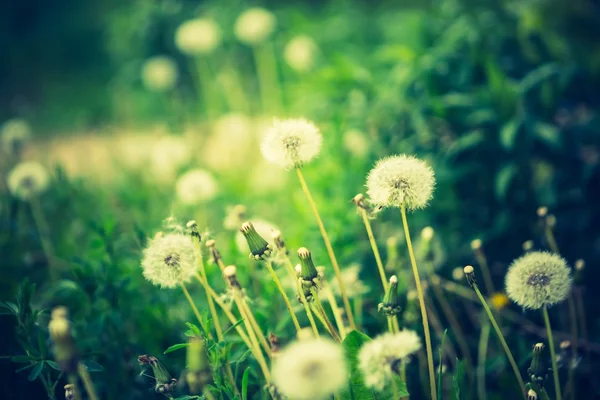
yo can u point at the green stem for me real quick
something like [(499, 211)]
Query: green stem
[(194, 309), (484, 337), (336, 311), (324, 318), (511, 359), (284, 295), (330, 252), (87, 382), (374, 248), (268, 78), (552, 353), (415, 270)]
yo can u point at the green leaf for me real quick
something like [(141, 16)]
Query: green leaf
[(233, 326), (36, 371), (503, 180), (194, 329), (92, 366), (175, 347), (8, 308), (508, 134), (458, 379), (548, 134), (537, 76), (22, 359), (245, 378), (466, 142), (53, 365)]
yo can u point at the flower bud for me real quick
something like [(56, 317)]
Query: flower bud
[(193, 227), (308, 272), (390, 305), (542, 211), (213, 250), (259, 247), (537, 371), (532, 395), (470, 275), (230, 274), (527, 246)]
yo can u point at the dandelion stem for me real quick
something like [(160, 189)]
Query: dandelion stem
[(250, 315), (204, 82), (390, 324), (552, 354), (332, 257), (87, 382), (233, 90), (324, 318), (336, 311), (211, 304), (207, 394), (484, 337), (44, 235), (413, 263), (309, 314), (485, 271), (284, 295), (73, 381), (195, 309), (367, 223), (266, 70), (511, 359)]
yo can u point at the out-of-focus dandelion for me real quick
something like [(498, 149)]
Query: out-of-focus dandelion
[(291, 143), (352, 282), (299, 53), (255, 25), (13, 135), (356, 143), (27, 180), (499, 301), (231, 145), (198, 36), (196, 186), (169, 154), (458, 274), (310, 369), (159, 73), (380, 359)]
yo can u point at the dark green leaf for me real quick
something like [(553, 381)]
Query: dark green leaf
[(36, 371), (508, 134), (53, 365), (92, 366), (233, 326), (22, 359), (504, 179), (458, 379), (245, 378)]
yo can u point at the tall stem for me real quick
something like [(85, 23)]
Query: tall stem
[(552, 354), (511, 359), (87, 382), (250, 315), (194, 308), (311, 320), (284, 295), (484, 337), (268, 78), (211, 304), (324, 318), (413, 263), (44, 235), (336, 311), (367, 223), (334, 263), (73, 381)]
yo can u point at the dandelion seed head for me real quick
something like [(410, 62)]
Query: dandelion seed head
[(169, 260), (196, 186), (198, 36), (291, 143), (311, 369), (457, 274), (427, 233), (299, 53), (254, 25), (538, 279), (159, 73), (476, 244), (13, 134), (401, 179), (27, 180), (379, 359)]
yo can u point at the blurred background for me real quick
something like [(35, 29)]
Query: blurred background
[(120, 100)]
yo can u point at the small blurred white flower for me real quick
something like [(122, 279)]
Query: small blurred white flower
[(264, 229), (230, 147), (196, 186), (312, 369), (159, 74), (254, 25), (169, 260), (198, 36), (350, 276), (15, 132), (356, 143), (538, 279), (299, 53), (290, 143), (27, 179), (379, 360), (458, 274), (169, 154), (401, 179)]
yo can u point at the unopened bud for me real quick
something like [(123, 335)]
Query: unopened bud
[(542, 211), (390, 305), (476, 244), (279, 243), (537, 371), (527, 245), (469, 272), (532, 395), (259, 247), (230, 274), (308, 271), (579, 265), (193, 228)]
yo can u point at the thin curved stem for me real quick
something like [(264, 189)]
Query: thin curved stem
[(284, 295), (250, 315), (330, 252), (413, 262), (484, 337), (323, 317), (511, 359), (373, 243), (552, 354), (211, 304), (335, 310), (194, 308)]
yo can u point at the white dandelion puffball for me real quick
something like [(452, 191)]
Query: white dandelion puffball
[(198, 36), (254, 25), (169, 260), (290, 143), (196, 186), (299, 53), (401, 179), (159, 74), (356, 143), (538, 279), (231, 145), (311, 369), (14, 133), (264, 229), (379, 359), (27, 179)]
